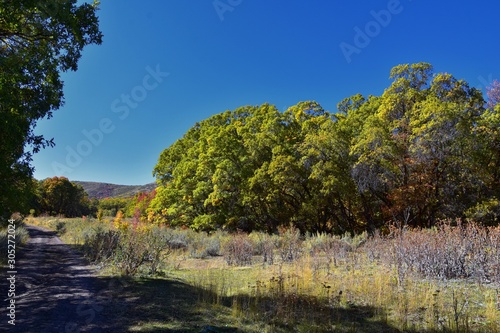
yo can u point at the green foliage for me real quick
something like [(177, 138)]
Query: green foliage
[(488, 133), (59, 196), (426, 149), (252, 168), (416, 154), (38, 40), (485, 212), (110, 206)]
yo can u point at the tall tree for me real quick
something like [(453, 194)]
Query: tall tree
[(418, 147), (38, 40), (204, 175)]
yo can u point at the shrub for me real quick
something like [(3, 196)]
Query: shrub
[(128, 249), (375, 248), (100, 215), (119, 223), (60, 228), (493, 251), (238, 250), (213, 247), (202, 246), (264, 245), (466, 250), (289, 244), (355, 241), (132, 251), (178, 239), (100, 245), (157, 246)]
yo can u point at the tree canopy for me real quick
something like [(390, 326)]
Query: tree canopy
[(426, 149), (39, 39), (59, 196)]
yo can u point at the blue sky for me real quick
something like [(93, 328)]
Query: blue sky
[(166, 64)]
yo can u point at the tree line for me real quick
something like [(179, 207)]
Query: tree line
[(427, 149), (58, 196)]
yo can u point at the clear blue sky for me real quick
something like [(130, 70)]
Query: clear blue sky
[(166, 64)]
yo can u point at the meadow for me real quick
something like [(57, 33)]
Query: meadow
[(445, 279)]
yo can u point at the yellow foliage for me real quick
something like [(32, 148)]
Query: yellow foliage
[(156, 218), (144, 228), (118, 222)]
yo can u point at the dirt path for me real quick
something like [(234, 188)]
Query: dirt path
[(57, 291)]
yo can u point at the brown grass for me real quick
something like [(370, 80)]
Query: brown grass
[(440, 280)]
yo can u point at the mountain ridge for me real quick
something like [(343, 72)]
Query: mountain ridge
[(100, 190)]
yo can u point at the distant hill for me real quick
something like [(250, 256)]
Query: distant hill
[(105, 190)]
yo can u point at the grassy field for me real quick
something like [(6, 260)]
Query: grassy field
[(441, 280)]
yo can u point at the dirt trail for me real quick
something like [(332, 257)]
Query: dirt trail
[(56, 290)]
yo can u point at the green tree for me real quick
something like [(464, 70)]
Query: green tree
[(416, 152), (246, 170), (59, 196), (38, 40), (285, 180), (202, 174), (426, 149), (334, 204), (111, 206)]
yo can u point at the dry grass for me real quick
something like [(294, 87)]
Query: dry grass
[(409, 281)]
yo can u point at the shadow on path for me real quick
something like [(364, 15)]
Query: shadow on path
[(56, 290)]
